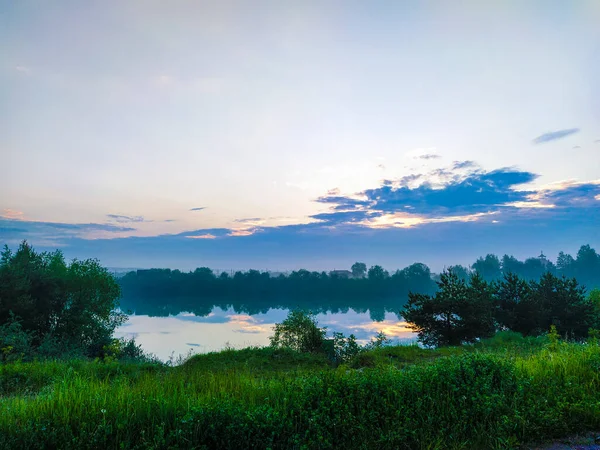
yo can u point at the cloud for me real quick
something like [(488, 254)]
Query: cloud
[(464, 165), (553, 135), (381, 166), (126, 219), (344, 217), (429, 156), (442, 214), (441, 192), (343, 202), (12, 214), (57, 234), (418, 153), (250, 220), (251, 330), (576, 147), (200, 208), (392, 239), (216, 232)]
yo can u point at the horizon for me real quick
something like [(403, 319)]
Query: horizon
[(306, 135)]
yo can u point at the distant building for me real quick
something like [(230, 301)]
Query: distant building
[(341, 273)]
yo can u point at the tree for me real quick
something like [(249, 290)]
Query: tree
[(74, 304), (516, 309), (456, 314), (461, 272), (488, 267), (510, 264), (587, 266), (565, 264), (300, 332), (564, 305), (359, 270), (377, 273)]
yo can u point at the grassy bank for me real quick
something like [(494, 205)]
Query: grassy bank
[(499, 394)]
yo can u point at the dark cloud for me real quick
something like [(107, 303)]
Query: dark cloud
[(464, 165), (581, 195), (200, 208), (429, 156), (192, 344), (553, 135), (217, 232), (343, 217), (343, 202), (477, 192), (126, 219)]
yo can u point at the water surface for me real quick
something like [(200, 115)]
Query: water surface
[(178, 334)]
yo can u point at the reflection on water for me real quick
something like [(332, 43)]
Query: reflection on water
[(177, 334)]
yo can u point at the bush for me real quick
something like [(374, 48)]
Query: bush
[(299, 331), (15, 343)]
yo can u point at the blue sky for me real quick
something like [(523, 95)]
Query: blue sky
[(287, 134)]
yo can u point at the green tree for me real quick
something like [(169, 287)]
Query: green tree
[(565, 305), (516, 309), (359, 270), (457, 313), (299, 331), (72, 303)]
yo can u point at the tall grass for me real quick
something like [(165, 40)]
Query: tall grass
[(485, 396)]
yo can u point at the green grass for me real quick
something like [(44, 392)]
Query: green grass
[(497, 394)]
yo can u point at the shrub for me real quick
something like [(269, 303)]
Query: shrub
[(299, 331)]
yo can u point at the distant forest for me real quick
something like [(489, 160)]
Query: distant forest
[(160, 292)]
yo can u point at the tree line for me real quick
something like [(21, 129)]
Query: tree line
[(161, 292)]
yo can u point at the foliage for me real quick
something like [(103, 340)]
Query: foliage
[(299, 331), (345, 348), (460, 398), (462, 312), (359, 270), (15, 343), (489, 268), (69, 304), (458, 313)]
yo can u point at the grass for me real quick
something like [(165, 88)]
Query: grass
[(500, 393)]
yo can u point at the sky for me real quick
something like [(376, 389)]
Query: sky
[(279, 135)]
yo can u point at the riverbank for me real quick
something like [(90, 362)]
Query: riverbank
[(503, 393)]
